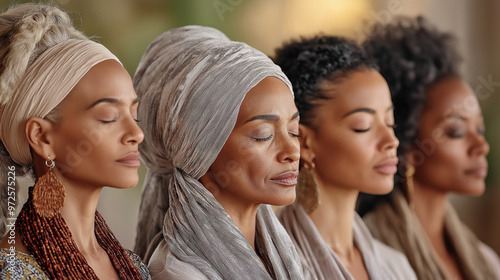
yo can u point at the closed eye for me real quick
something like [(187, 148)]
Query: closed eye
[(361, 130), (106, 122), (264, 139)]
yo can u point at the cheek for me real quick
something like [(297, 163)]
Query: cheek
[(343, 152), (342, 160), (441, 165), (81, 143), (448, 154)]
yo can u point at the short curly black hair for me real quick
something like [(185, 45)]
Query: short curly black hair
[(412, 55), (309, 61)]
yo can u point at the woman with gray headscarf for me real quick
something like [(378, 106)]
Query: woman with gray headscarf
[(221, 134)]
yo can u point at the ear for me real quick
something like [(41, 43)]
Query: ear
[(308, 136), (38, 132)]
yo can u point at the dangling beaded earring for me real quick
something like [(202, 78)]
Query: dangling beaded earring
[(48, 193), (307, 188), (410, 172)]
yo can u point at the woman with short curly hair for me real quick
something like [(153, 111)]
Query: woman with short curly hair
[(442, 150), (347, 146)]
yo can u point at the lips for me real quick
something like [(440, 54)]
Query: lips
[(131, 159), (288, 178), (388, 166), (480, 171)]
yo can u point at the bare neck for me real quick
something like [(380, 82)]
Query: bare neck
[(334, 219), (430, 208), (78, 213)]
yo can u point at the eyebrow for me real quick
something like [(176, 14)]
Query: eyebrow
[(366, 110), (111, 101), (455, 116), (270, 117), (264, 117)]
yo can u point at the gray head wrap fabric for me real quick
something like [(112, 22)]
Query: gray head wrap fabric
[(191, 82)]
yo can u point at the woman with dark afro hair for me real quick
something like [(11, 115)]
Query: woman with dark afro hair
[(442, 150), (347, 146)]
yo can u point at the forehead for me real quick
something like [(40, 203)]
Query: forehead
[(269, 96), (366, 88), (451, 96)]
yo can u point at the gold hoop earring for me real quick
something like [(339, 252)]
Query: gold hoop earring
[(307, 188), (410, 188), (48, 193)]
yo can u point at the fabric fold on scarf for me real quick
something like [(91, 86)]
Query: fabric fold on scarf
[(191, 82), (320, 261), (395, 224), (45, 84)]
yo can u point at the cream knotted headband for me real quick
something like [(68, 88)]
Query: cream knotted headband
[(45, 84)]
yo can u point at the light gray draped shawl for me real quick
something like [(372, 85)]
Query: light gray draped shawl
[(191, 82)]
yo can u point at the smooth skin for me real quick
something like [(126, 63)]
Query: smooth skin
[(353, 146), (449, 157)]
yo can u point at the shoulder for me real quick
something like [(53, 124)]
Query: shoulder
[(15, 265), (398, 263), (491, 257), (165, 265), (136, 260)]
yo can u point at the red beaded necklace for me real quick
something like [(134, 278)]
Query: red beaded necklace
[(50, 241)]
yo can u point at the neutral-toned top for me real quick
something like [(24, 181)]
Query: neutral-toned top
[(395, 224), (319, 261)]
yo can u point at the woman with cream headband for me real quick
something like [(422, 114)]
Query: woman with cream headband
[(67, 116), (220, 140)]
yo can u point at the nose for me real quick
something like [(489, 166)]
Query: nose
[(134, 134), (479, 145), (289, 149), (389, 139)]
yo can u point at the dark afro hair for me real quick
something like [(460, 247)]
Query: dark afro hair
[(309, 61), (411, 55)]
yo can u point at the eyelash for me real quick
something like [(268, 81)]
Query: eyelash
[(393, 126), (107, 122), (271, 136), (264, 139)]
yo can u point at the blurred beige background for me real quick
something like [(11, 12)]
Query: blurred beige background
[(126, 27)]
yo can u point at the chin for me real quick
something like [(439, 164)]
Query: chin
[(380, 188), (282, 200), (473, 190), (126, 184)]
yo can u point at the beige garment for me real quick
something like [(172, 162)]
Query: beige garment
[(320, 261), (165, 265), (394, 223)]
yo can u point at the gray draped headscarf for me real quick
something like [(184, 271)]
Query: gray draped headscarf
[(191, 82)]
